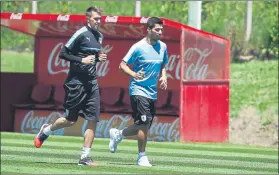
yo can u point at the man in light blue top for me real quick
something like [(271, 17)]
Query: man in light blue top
[(148, 58)]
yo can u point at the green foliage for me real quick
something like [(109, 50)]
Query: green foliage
[(254, 84), (10, 62), (265, 29), (218, 17), (225, 18), (11, 40), (177, 11)]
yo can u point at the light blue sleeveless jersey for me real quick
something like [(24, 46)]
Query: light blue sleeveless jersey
[(151, 59)]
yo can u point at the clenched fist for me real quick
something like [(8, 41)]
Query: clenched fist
[(90, 59), (102, 57)]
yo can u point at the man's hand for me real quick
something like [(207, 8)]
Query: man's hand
[(102, 57), (164, 83), (139, 75), (90, 59)]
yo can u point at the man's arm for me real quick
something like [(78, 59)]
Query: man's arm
[(164, 71), (129, 59), (165, 62), (126, 69), (163, 79), (70, 46), (66, 55)]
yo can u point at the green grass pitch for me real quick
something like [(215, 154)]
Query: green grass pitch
[(60, 154)]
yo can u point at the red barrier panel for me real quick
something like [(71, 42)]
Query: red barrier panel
[(205, 117), (204, 92)]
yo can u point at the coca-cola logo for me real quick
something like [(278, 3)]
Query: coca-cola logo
[(56, 65), (17, 16), (173, 66), (63, 17), (116, 121), (144, 20), (111, 19), (198, 70), (32, 123), (159, 131), (164, 131), (193, 62)]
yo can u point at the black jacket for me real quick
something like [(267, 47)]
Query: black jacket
[(84, 42)]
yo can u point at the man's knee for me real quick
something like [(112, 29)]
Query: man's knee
[(144, 121), (144, 126), (68, 122), (91, 124)]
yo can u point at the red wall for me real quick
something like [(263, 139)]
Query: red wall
[(205, 111), (204, 92), (14, 89)]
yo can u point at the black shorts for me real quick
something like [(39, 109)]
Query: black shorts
[(82, 100), (144, 109)]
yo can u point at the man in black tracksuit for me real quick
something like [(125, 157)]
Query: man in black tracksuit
[(81, 87)]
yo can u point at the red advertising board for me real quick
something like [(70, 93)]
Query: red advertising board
[(29, 121), (204, 57)]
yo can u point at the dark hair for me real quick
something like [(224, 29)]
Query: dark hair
[(93, 9), (152, 21)]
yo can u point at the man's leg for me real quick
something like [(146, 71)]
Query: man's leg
[(146, 107), (117, 135), (74, 95), (142, 138), (143, 116), (89, 136), (91, 113), (131, 130), (141, 131), (46, 129)]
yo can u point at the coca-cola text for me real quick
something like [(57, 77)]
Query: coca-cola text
[(32, 120), (17, 16), (56, 65), (63, 17)]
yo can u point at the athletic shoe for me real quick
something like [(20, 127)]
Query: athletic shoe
[(143, 161), (40, 137), (87, 161), (115, 139)]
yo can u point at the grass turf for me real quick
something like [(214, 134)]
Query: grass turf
[(59, 155)]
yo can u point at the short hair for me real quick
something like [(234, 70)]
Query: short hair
[(152, 21), (93, 9)]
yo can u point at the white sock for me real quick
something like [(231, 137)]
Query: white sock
[(121, 133), (85, 152), (142, 154), (47, 130)]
